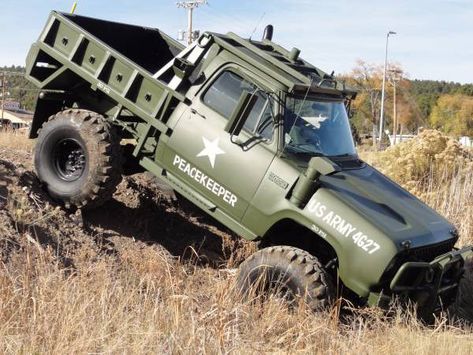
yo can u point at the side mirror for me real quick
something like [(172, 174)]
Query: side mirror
[(241, 112)]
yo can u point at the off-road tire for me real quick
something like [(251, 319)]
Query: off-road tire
[(462, 308), (293, 269), (78, 158)]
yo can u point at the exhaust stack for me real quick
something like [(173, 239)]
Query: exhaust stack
[(268, 33)]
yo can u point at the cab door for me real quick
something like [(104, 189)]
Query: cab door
[(203, 154)]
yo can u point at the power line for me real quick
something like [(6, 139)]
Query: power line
[(257, 24), (239, 24), (190, 5)]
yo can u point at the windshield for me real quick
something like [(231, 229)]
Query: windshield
[(317, 127)]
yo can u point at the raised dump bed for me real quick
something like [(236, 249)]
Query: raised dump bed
[(74, 52)]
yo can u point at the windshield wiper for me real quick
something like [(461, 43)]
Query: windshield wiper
[(303, 151), (342, 155), (300, 149)]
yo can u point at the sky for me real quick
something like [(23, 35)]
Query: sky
[(434, 38)]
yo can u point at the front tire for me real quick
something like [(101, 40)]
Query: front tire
[(462, 308), (288, 270), (78, 158)]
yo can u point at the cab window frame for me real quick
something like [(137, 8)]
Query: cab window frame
[(229, 69)]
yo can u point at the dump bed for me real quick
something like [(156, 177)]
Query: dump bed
[(75, 53)]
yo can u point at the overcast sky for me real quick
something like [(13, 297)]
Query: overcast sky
[(434, 39)]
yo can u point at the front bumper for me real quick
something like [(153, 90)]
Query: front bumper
[(427, 283)]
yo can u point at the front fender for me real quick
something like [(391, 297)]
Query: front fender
[(363, 251)]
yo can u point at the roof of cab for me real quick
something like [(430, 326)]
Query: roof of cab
[(296, 74)]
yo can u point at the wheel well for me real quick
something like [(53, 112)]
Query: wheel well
[(44, 109), (289, 232), (81, 96)]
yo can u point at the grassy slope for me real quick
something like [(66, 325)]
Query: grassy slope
[(144, 274)]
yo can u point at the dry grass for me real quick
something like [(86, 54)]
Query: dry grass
[(142, 302), (17, 139), (438, 170), (65, 289)]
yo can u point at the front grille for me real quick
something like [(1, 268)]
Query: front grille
[(425, 254), (430, 252)]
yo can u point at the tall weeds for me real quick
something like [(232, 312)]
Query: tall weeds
[(141, 301), (16, 139)]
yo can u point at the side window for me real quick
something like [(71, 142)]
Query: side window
[(223, 96)]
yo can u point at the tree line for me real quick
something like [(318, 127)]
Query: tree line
[(412, 104), (17, 87)]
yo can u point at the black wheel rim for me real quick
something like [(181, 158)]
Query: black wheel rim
[(69, 159)]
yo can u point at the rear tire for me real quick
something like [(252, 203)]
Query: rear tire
[(293, 271), (78, 158)]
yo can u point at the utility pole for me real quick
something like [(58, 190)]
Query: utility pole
[(394, 112), (190, 5), (381, 116), (4, 81), (396, 76)]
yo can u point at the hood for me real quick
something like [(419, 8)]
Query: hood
[(388, 207)]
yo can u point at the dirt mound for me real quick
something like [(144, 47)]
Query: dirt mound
[(142, 213)]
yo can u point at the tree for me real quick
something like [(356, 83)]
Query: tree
[(453, 114), (367, 79), (427, 92)]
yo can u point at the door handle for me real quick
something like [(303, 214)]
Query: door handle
[(193, 111)]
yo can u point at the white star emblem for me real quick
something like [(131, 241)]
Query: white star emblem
[(211, 150)]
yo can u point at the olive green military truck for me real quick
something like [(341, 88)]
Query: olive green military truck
[(253, 135)]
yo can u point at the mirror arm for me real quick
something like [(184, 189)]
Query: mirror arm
[(241, 112)]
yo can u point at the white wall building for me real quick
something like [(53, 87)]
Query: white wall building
[(466, 142)]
